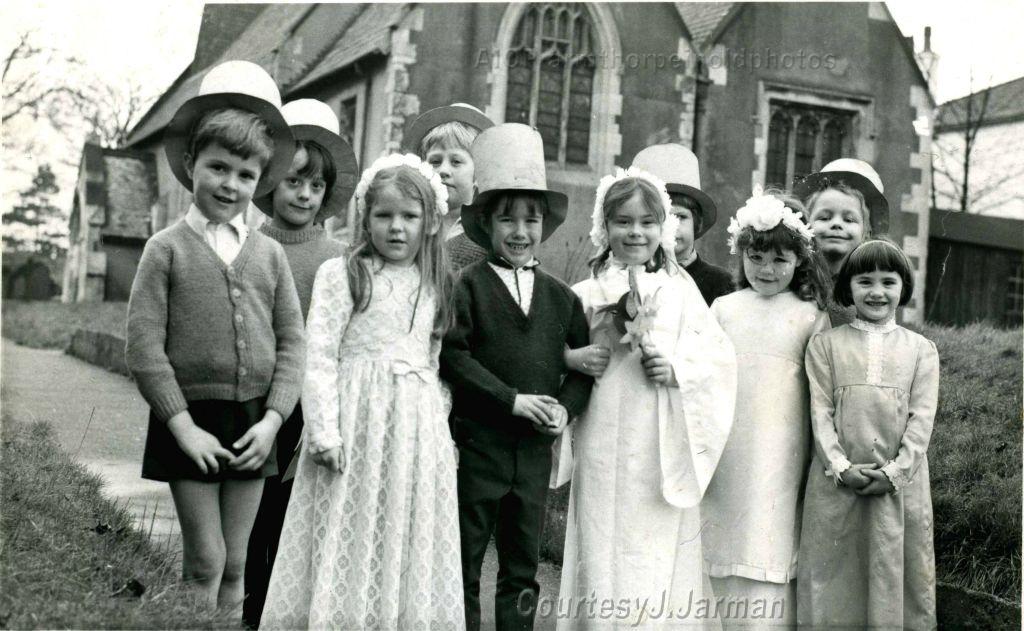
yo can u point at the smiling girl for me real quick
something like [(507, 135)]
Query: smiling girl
[(371, 537), (866, 555), (657, 420), (752, 507)]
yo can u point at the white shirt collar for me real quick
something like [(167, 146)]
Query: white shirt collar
[(871, 327), (199, 222)]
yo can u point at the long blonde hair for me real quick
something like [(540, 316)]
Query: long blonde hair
[(431, 257)]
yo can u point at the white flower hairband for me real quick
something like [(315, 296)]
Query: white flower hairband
[(397, 160), (598, 230), (762, 213)]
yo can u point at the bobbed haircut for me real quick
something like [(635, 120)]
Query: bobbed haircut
[(242, 133), (865, 212), (450, 135), (690, 204), (319, 163), (875, 255), (618, 194)]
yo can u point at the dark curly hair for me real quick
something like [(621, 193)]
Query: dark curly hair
[(811, 279)]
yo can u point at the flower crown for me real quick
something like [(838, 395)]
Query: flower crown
[(598, 231), (762, 213), (396, 160)]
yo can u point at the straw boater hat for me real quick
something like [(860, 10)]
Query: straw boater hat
[(856, 174), (233, 84), (314, 120), (509, 158), (456, 112), (678, 167)]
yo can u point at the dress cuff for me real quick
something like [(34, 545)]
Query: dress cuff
[(322, 441), (896, 478), (838, 467)]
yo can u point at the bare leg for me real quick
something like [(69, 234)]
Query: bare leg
[(239, 502), (203, 552)]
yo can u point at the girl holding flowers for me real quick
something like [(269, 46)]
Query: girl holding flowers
[(371, 537), (655, 425), (752, 508)]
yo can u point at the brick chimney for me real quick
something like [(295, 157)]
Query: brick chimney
[(222, 24)]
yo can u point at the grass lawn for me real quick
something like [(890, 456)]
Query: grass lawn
[(70, 558), (974, 460), (50, 324)]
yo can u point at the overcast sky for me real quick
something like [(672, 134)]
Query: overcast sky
[(152, 41)]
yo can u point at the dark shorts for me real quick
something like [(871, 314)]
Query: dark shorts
[(164, 460)]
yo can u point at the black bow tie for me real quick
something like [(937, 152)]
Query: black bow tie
[(494, 259)]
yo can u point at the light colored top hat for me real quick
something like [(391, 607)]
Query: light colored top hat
[(856, 174), (678, 167), (457, 112), (241, 85), (509, 158), (315, 121)]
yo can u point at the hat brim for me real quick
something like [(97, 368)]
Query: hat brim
[(878, 206), (438, 116), (708, 209), (558, 205), (178, 131), (345, 165)]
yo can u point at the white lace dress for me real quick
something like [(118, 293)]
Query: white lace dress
[(376, 546)]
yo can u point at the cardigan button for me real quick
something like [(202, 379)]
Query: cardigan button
[(238, 317), (241, 343), (243, 371), (236, 292)]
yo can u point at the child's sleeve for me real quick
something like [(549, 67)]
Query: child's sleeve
[(819, 378), (329, 312), (924, 399), (468, 376), (146, 333), (286, 384), (575, 390)]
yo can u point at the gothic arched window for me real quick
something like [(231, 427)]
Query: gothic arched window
[(821, 136), (551, 78)]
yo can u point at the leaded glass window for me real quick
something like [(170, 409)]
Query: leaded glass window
[(551, 78), (821, 135)]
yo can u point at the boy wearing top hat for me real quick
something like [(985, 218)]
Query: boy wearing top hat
[(678, 167), (503, 359), (318, 186), (214, 332), (442, 137)]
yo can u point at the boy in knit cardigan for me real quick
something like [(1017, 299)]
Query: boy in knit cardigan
[(503, 359), (318, 185), (214, 333)]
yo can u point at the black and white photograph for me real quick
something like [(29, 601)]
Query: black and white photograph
[(554, 316)]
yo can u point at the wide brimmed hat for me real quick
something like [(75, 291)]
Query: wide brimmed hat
[(315, 121), (509, 158), (678, 167), (456, 112), (856, 174), (241, 85)]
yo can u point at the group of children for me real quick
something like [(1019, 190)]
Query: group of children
[(744, 446)]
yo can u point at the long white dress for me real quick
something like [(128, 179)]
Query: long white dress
[(643, 455), (376, 546), (753, 504)]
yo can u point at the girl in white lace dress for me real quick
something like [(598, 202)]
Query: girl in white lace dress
[(371, 537)]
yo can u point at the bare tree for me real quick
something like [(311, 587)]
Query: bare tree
[(26, 92), (114, 111), (956, 156)]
